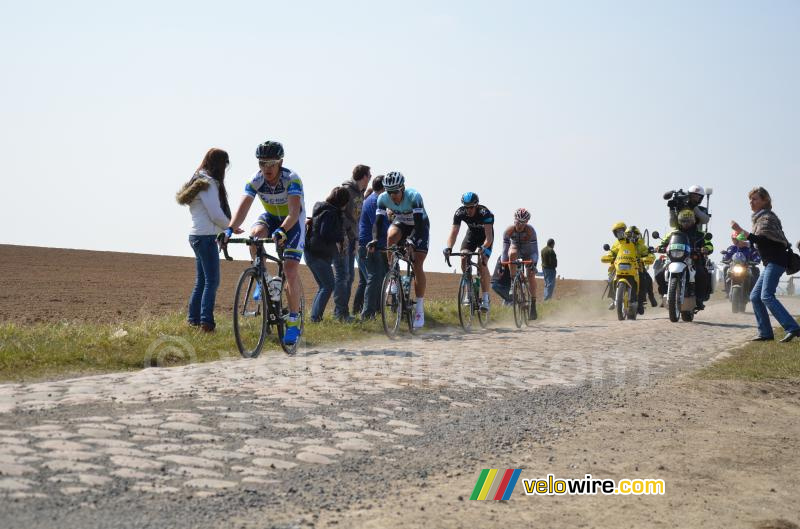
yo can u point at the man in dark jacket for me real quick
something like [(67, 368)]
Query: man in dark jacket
[(344, 264), (549, 264)]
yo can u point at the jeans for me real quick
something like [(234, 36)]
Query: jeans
[(343, 270), (358, 298), (549, 282), (375, 266), (323, 274), (763, 297), (204, 294)]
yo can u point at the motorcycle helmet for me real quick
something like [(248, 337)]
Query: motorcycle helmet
[(522, 215), (633, 234), (618, 230), (696, 193), (686, 219), (269, 150), (469, 199)]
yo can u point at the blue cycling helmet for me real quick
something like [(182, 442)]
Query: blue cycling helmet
[(469, 199), (270, 150)]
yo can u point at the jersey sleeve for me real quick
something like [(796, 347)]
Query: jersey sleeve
[(251, 187), (417, 206), (295, 187), (488, 217), (381, 204), (457, 217)]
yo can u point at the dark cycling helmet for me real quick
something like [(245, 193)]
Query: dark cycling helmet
[(469, 199), (393, 181), (270, 150), (522, 215)]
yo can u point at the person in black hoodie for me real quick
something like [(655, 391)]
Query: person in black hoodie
[(324, 241)]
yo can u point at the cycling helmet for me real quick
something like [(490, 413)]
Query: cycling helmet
[(393, 181), (522, 215), (469, 199), (270, 150), (633, 234), (686, 218)]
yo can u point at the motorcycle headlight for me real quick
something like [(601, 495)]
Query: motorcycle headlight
[(624, 266), (738, 269), (677, 254)]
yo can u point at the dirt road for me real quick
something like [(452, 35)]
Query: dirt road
[(396, 433)]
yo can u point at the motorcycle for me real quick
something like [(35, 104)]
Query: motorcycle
[(680, 276), (740, 275), (625, 281)]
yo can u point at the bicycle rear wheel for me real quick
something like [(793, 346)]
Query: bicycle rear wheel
[(392, 304), (250, 315), (483, 316), (283, 314), (465, 303)]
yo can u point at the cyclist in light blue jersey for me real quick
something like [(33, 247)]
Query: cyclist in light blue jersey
[(281, 193), (411, 223)]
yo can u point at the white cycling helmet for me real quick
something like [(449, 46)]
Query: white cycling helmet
[(393, 181), (697, 189)]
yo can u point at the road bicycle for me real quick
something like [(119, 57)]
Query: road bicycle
[(396, 295), (521, 293), (469, 292), (254, 319)]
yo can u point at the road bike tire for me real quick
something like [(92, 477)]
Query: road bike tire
[(410, 306), (249, 315), (519, 303), (282, 311), (483, 317), (465, 307), (392, 305)]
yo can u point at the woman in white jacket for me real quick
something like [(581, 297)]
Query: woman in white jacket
[(207, 199)]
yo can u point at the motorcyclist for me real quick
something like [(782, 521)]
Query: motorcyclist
[(695, 196), (618, 229), (740, 245), (646, 258), (687, 223)]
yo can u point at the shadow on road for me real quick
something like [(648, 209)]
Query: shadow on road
[(726, 325)]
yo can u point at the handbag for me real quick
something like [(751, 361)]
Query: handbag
[(792, 263)]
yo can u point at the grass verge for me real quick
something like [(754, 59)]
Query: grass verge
[(758, 361)]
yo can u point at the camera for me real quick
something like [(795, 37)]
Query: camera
[(677, 200)]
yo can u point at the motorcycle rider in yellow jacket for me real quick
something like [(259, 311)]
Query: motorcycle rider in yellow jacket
[(646, 258)]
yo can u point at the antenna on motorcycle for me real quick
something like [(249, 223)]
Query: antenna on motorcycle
[(709, 191)]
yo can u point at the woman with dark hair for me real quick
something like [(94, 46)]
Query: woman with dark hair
[(324, 241), (768, 237), (207, 199)]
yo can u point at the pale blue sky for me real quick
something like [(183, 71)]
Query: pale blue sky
[(582, 112)]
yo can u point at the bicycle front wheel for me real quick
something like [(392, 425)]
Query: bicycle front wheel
[(392, 304), (465, 303), (520, 303), (250, 315)]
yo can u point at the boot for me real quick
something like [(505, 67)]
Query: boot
[(532, 316), (653, 301)]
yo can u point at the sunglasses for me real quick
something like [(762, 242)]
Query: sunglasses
[(395, 192), (268, 163)]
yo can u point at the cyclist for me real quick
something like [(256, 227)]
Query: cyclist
[(480, 234), (411, 223), (281, 193), (519, 242)]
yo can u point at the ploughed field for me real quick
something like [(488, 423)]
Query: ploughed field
[(53, 284)]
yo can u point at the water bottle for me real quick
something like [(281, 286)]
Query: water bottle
[(476, 284), (406, 284), (274, 286)]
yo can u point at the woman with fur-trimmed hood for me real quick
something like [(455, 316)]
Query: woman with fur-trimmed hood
[(207, 199)]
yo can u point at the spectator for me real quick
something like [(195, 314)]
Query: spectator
[(323, 246), (344, 263), (373, 265), (501, 281), (770, 241), (207, 199), (549, 265)]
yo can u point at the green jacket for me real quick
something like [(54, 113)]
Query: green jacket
[(549, 259)]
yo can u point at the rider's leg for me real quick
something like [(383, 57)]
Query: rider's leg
[(293, 290), (532, 285), (484, 272)]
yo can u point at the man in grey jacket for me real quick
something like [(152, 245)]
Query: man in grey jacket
[(344, 264)]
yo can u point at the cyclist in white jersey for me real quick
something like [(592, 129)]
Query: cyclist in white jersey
[(281, 193), (410, 222)]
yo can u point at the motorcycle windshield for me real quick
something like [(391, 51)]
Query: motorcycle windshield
[(679, 245), (738, 258)]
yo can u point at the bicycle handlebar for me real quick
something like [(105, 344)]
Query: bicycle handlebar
[(459, 254), (518, 261), (248, 241)]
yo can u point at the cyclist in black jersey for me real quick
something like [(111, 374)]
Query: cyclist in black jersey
[(480, 234)]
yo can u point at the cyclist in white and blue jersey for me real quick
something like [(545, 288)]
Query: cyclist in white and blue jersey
[(281, 193), (410, 222)]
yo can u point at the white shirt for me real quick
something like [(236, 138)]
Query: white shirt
[(207, 215)]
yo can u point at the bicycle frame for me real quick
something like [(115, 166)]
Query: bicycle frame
[(522, 298), (406, 309), (469, 291)]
